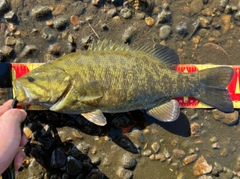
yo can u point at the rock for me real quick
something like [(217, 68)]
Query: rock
[(10, 16), (28, 132), (181, 28), (60, 9), (160, 157), (128, 33), (73, 166), (166, 153), (216, 145), (226, 20), (95, 174), (164, 16), (213, 139), (226, 118), (196, 6), (28, 50), (58, 158), (83, 147), (227, 173), (124, 173), (60, 23), (10, 40), (140, 15), (7, 51), (204, 22), (77, 154), (49, 34), (56, 49), (201, 167), (165, 31), (189, 159), (95, 160), (217, 168), (149, 21), (112, 12), (41, 12), (195, 129), (155, 147), (74, 20), (178, 153), (4, 6), (46, 142), (137, 137), (147, 153), (126, 13), (96, 2), (128, 161)]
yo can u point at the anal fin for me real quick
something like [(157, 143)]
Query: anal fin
[(166, 112), (95, 117)]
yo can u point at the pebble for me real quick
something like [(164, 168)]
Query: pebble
[(74, 20), (178, 153), (213, 139), (155, 147), (216, 145), (204, 22), (4, 6), (41, 12), (28, 50), (10, 16), (95, 160), (127, 34), (164, 16), (112, 12), (147, 153), (160, 156), (226, 118), (196, 6), (181, 28), (164, 32), (227, 173), (149, 21), (7, 51), (124, 173), (83, 147), (195, 129), (217, 168), (60, 23), (96, 2), (126, 13), (58, 158), (55, 49), (60, 9), (166, 153), (189, 159), (222, 4), (201, 167), (10, 40), (128, 161), (28, 132), (49, 34), (226, 20), (73, 166)]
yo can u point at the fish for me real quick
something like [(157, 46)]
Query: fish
[(114, 78)]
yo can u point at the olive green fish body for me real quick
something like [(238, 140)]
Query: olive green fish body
[(111, 78)]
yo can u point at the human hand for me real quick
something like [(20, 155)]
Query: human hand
[(11, 137)]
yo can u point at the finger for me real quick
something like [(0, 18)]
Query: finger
[(24, 140), (5, 106), (14, 115), (20, 156)]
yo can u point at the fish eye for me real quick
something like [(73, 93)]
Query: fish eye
[(30, 79)]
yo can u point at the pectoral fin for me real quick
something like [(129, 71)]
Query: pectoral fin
[(92, 92), (95, 117), (166, 112)]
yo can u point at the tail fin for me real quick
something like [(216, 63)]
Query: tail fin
[(212, 91)]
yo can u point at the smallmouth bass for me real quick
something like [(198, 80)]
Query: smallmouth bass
[(114, 78)]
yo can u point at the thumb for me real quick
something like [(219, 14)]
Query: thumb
[(10, 135)]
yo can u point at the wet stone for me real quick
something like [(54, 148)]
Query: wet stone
[(149, 21), (204, 22), (49, 34), (189, 159), (55, 49), (77, 154), (195, 129), (181, 28), (124, 173), (128, 161), (4, 6), (226, 118), (96, 2), (216, 145), (166, 153), (126, 13), (95, 160), (196, 6), (213, 139), (83, 147), (217, 168), (165, 31), (10, 40), (227, 173), (10, 16), (160, 157), (28, 50), (41, 12), (112, 12), (164, 16), (178, 153), (58, 158), (46, 142), (201, 167), (95, 174), (155, 147), (7, 51), (60, 23), (73, 166), (147, 153), (140, 15), (128, 33)]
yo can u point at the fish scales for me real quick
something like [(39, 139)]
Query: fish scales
[(111, 78)]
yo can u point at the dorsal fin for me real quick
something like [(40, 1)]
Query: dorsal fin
[(159, 52)]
